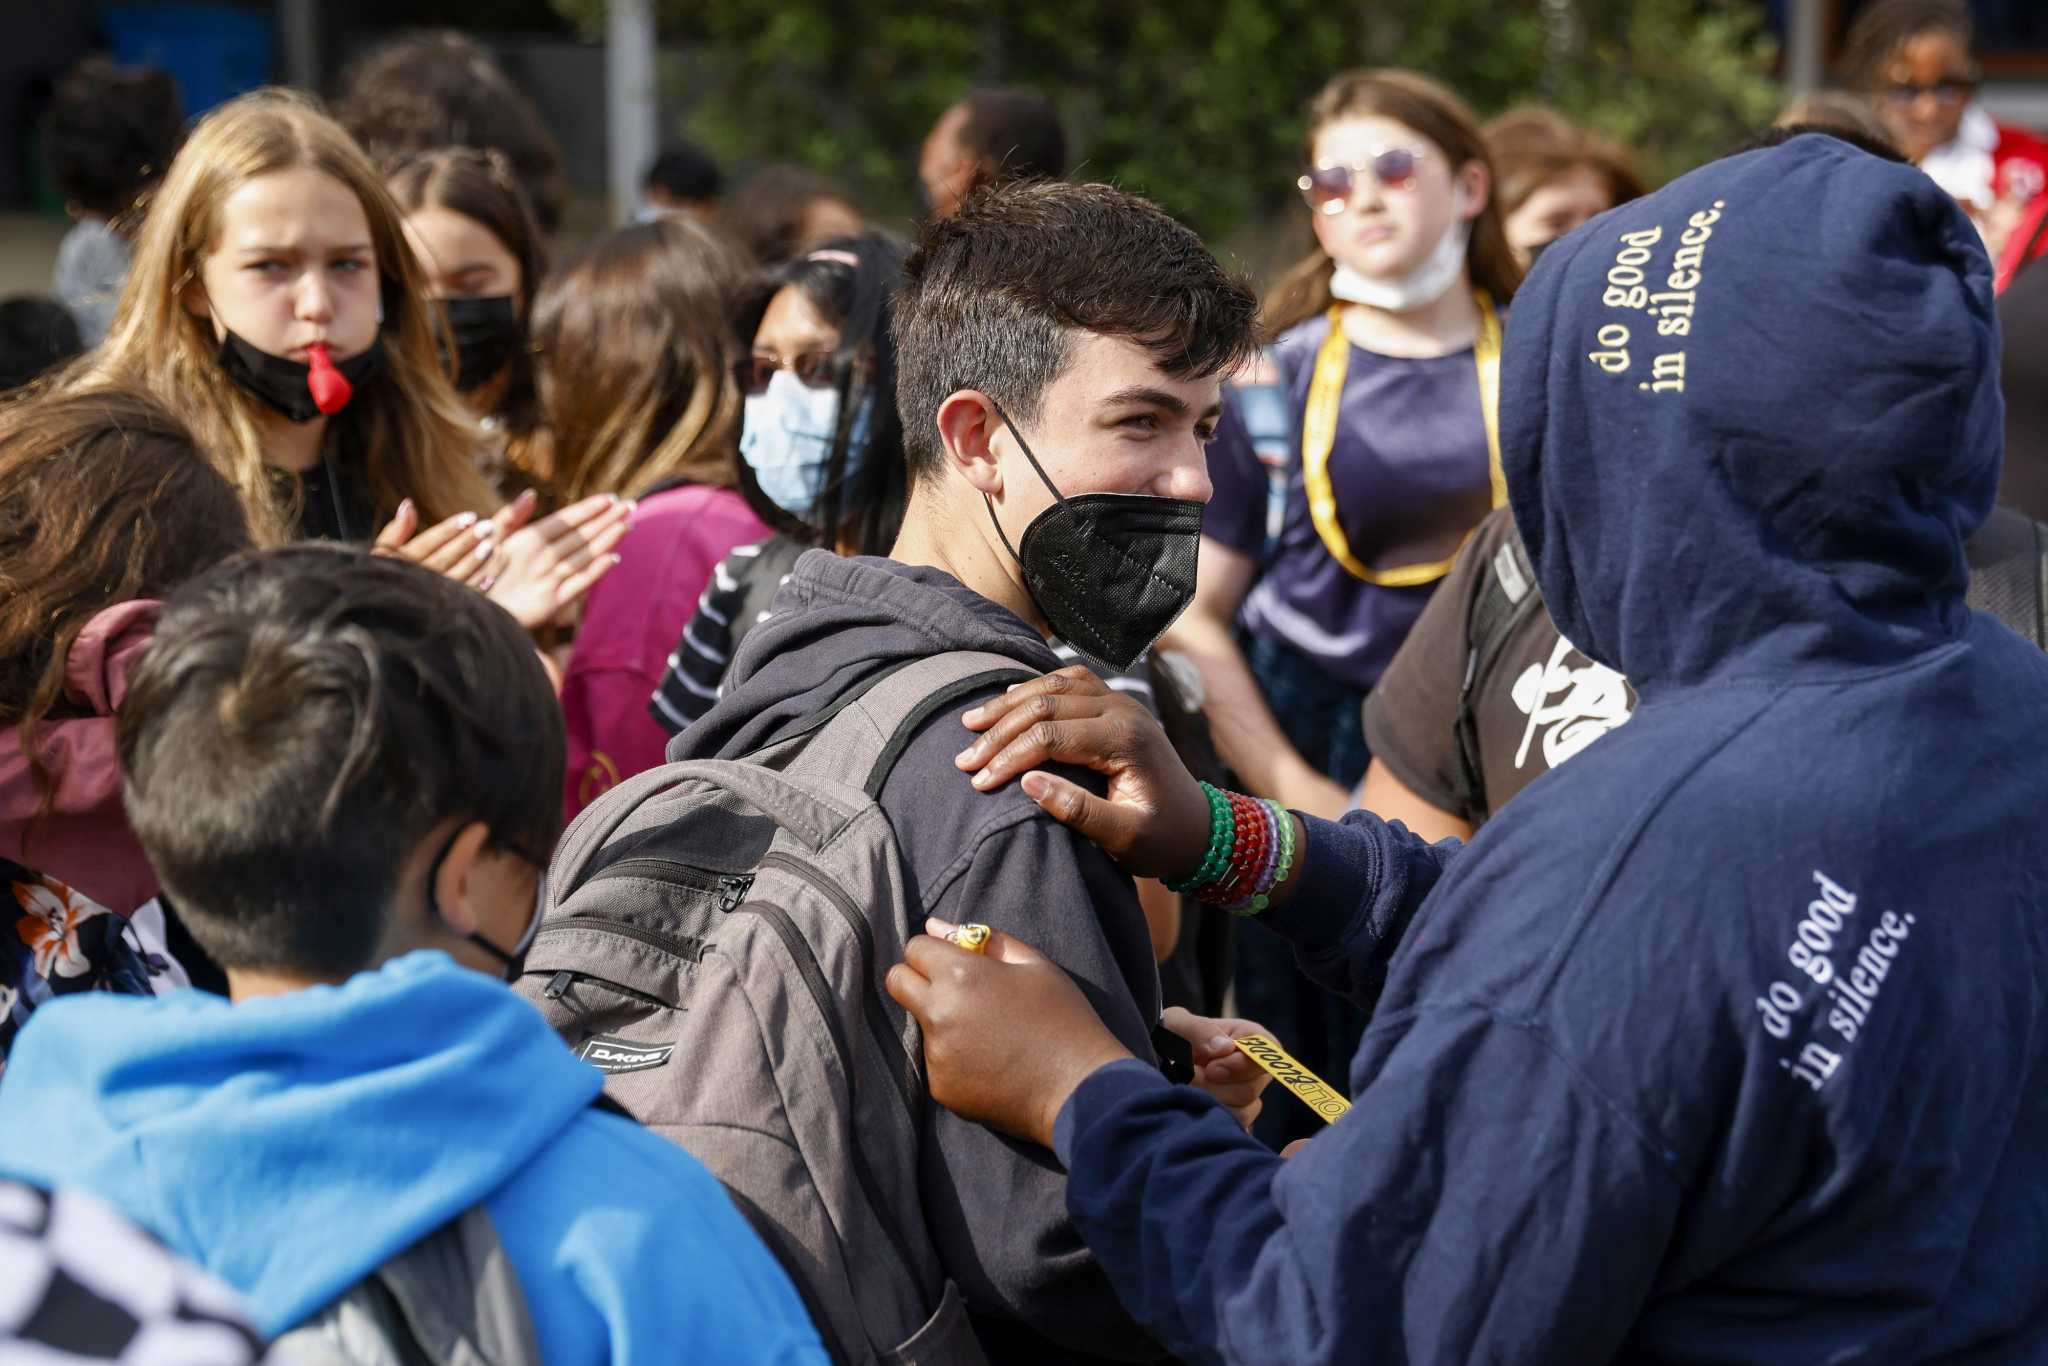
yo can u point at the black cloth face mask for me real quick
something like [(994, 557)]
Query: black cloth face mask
[(486, 334), (281, 382), (1108, 571)]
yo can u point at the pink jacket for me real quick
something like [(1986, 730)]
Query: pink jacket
[(83, 840), (631, 623)]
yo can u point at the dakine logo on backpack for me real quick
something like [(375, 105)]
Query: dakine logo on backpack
[(608, 1053)]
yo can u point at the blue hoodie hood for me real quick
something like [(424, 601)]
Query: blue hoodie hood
[(1747, 421), (292, 1144)]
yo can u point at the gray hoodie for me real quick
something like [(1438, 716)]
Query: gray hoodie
[(996, 1208)]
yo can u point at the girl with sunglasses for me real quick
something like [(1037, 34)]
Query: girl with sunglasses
[(1913, 60), (637, 388), (821, 450), (1386, 367)]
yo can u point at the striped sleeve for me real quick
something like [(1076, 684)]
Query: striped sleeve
[(689, 685)]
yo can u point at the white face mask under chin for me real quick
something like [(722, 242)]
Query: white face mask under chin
[(1424, 285)]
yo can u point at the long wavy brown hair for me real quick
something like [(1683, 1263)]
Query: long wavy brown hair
[(1432, 111), (416, 439), (103, 499), (636, 346)]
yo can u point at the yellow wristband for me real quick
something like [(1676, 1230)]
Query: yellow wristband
[(1308, 1088)]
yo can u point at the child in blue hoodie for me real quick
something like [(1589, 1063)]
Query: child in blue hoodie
[(1726, 1041), (348, 772)]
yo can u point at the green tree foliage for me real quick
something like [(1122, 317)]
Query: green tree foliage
[(1197, 103)]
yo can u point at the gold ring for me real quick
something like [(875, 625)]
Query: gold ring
[(973, 938)]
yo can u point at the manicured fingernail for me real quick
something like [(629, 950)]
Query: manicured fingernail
[(618, 559), (484, 552), (404, 506), (467, 519), (486, 530), (971, 716), (488, 584), (982, 779), (1013, 687), (529, 497)]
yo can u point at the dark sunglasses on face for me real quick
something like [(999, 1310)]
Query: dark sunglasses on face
[(1951, 92), (814, 369), (1327, 189)]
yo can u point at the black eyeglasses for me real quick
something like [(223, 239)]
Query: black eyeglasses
[(813, 369), (1952, 91), (1329, 188)]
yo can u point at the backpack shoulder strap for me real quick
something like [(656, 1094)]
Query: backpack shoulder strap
[(863, 742), (2009, 573), (1504, 593), (451, 1299)]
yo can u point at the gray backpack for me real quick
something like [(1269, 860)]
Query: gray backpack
[(451, 1299), (716, 939)]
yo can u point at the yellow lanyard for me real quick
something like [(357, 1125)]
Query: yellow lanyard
[(1319, 436)]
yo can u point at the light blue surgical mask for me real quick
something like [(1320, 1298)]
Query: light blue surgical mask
[(786, 440)]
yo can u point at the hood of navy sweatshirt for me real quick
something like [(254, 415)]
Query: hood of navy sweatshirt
[(291, 1144), (1747, 421)]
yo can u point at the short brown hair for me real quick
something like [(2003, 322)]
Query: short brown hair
[(103, 500), (636, 348), (994, 294), (1532, 146), (301, 719), (1414, 101)]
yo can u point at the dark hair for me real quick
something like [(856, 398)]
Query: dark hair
[(480, 185), (424, 91), (1778, 134), (1839, 113), (1532, 146), (301, 719), (685, 171), (111, 133), (36, 336), (854, 296), (1014, 134), (1416, 102), (636, 345), (1876, 35), (766, 214), (994, 293), (103, 500)]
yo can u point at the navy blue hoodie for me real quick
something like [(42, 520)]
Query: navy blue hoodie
[(1727, 1041)]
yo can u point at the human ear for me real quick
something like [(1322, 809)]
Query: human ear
[(193, 297), (1475, 184), (454, 884), (967, 424)]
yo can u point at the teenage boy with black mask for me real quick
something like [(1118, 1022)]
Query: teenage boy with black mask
[(1059, 352), (347, 771), (1727, 1040)]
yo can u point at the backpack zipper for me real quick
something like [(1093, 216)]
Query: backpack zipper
[(908, 1084), (731, 887), (822, 996)]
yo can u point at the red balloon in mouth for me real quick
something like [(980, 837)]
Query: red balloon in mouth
[(330, 388)]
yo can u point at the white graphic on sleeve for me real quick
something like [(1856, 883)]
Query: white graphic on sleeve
[(1847, 994), (1590, 702)]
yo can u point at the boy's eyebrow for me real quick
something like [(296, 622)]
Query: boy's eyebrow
[(1148, 396)]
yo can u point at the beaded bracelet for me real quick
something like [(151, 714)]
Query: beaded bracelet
[(1222, 838)]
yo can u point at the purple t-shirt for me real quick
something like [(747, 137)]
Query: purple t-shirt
[(1410, 472)]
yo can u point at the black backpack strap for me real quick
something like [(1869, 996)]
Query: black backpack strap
[(906, 729), (1503, 595), (869, 733), (2009, 573)]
